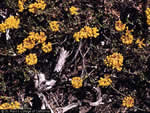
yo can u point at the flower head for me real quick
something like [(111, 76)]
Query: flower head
[(10, 23), (128, 102), (115, 61), (21, 5), (95, 32), (34, 7), (20, 49), (3, 27), (106, 81), (86, 32), (76, 82), (140, 43), (41, 38), (32, 40), (28, 43), (12, 105), (54, 26), (47, 47), (73, 10), (119, 26), (127, 38), (15, 105), (31, 59), (147, 11)]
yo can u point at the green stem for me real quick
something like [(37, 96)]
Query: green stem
[(117, 91)]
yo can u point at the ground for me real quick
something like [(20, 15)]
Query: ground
[(84, 58)]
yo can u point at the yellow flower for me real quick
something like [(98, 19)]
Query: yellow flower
[(128, 102), (16, 105), (86, 32), (32, 40), (95, 30), (42, 4), (28, 43), (34, 7), (33, 36), (73, 10), (41, 37), (54, 26), (140, 43), (127, 38), (115, 61), (20, 49), (76, 82), (77, 36), (21, 4), (31, 59), (5, 106), (106, 81), (47, 47), (10, 23), (3, 27), (148, 21), (119, 26), (13, 105), (147, 11), (36, 37), (83, 34)]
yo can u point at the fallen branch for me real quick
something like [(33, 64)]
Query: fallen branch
[(44, 102), (77, 52), (99, 101), (66, 108), (61, 61), (41, 84)]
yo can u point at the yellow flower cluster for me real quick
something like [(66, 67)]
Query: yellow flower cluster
[(128, 102), (76, 82), (115, 61), (86, 32), (31, 59), (127, 38), (106, 81), (40, 4), (12, 105), (20, 49), (148, 15), (47, 47), (31, 41), (140, 43), (54, 26), (10, 23), (21, 5), (119, 26), (73, 10)]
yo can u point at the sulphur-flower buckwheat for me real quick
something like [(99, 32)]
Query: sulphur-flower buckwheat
[(77, 82), (31, 59), (106, 81), (73, 10), (47, 47), (140, 43), (54, 26), (128, 102), (115, 61), (119, 26)]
